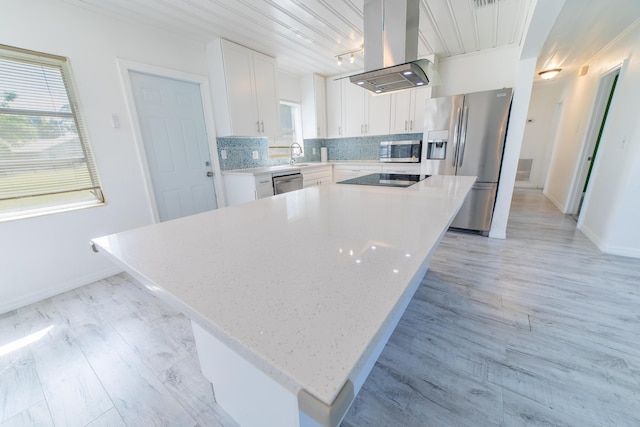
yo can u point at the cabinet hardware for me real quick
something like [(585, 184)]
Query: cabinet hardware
[(405, 125), (209, 174), (361, 128), (410, 124), (262, 125), (258, 125)]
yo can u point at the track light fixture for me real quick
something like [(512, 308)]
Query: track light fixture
[(351, 54)]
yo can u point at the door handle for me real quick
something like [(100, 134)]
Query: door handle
[(456, 139), (463, 136), (209, 174)]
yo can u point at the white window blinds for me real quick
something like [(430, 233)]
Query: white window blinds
[(45, 159)]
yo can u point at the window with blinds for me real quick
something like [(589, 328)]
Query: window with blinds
[(46, 163)]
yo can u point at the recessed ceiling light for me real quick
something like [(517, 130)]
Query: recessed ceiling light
[(549, 74), (419, 83), (378, 91), (406, 73), (360, 83), (339, 60)]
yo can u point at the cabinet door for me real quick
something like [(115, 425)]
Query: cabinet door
[(418, 102), (354, 109), (334, 107), (378, 114), (266, 81), (264, 186), (314, 122), (321, 109), (400, 111), (243, 108)]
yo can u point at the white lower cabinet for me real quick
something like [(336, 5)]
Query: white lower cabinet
[(404, 168), (319, 175), (245, 188), (354, 170)]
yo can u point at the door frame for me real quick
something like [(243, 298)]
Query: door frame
[(125, 66), (605, 82)]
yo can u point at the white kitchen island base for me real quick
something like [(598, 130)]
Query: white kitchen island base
[(251, 397)]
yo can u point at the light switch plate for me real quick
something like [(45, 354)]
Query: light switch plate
[(255, 155)]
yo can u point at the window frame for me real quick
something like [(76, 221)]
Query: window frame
[(76, 201), (297, 124)]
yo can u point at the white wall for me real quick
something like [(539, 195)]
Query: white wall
[(43, 256), (475, 72), (611, 208), (289, 87), (540, 130)]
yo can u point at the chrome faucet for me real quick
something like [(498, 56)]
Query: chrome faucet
[(292, 147)]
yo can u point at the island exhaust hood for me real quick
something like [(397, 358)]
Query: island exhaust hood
[(391, 47)]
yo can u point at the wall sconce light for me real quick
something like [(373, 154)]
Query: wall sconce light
[(549, 74)]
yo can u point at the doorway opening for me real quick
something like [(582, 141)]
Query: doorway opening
[(599, 118)]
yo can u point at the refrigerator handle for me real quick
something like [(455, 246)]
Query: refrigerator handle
[(463, 135), (456, 138)]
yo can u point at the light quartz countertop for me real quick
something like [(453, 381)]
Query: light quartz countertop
[(300, 284), (305, 165), (272, 169)]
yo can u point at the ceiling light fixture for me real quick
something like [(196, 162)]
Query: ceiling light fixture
[(549, 74), (351, 54)]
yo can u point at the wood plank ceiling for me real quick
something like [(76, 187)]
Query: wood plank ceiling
[(306, 35)]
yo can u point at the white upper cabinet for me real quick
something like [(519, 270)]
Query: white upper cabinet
[(378, 113), (313, 105), (352, 111), (407, 110), (334, 107), (244, 90)]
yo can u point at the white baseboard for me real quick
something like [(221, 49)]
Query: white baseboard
[(608, 249), (25, 300), (595, 239), (553, 200), (626, 252)]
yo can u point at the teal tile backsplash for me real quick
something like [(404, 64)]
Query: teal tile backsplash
[(240, 150)]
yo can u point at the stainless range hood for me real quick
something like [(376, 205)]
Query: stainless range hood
[(391, 47)]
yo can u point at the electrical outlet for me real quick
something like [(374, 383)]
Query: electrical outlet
[(314, 150), (223, 154), (255, 155)]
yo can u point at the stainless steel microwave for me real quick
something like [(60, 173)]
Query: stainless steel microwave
[(407, 151)]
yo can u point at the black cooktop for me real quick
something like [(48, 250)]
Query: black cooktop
[(386, 179)]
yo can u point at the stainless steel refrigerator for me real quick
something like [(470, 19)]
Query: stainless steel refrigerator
[(464, 135)]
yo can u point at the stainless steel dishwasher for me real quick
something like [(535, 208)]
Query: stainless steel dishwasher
[(283, 182)]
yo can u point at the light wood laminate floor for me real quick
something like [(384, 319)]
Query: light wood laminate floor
[(540, 329)]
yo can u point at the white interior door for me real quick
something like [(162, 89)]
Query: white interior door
[(173, 129)]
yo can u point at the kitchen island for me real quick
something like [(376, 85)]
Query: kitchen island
[(292, 298)]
